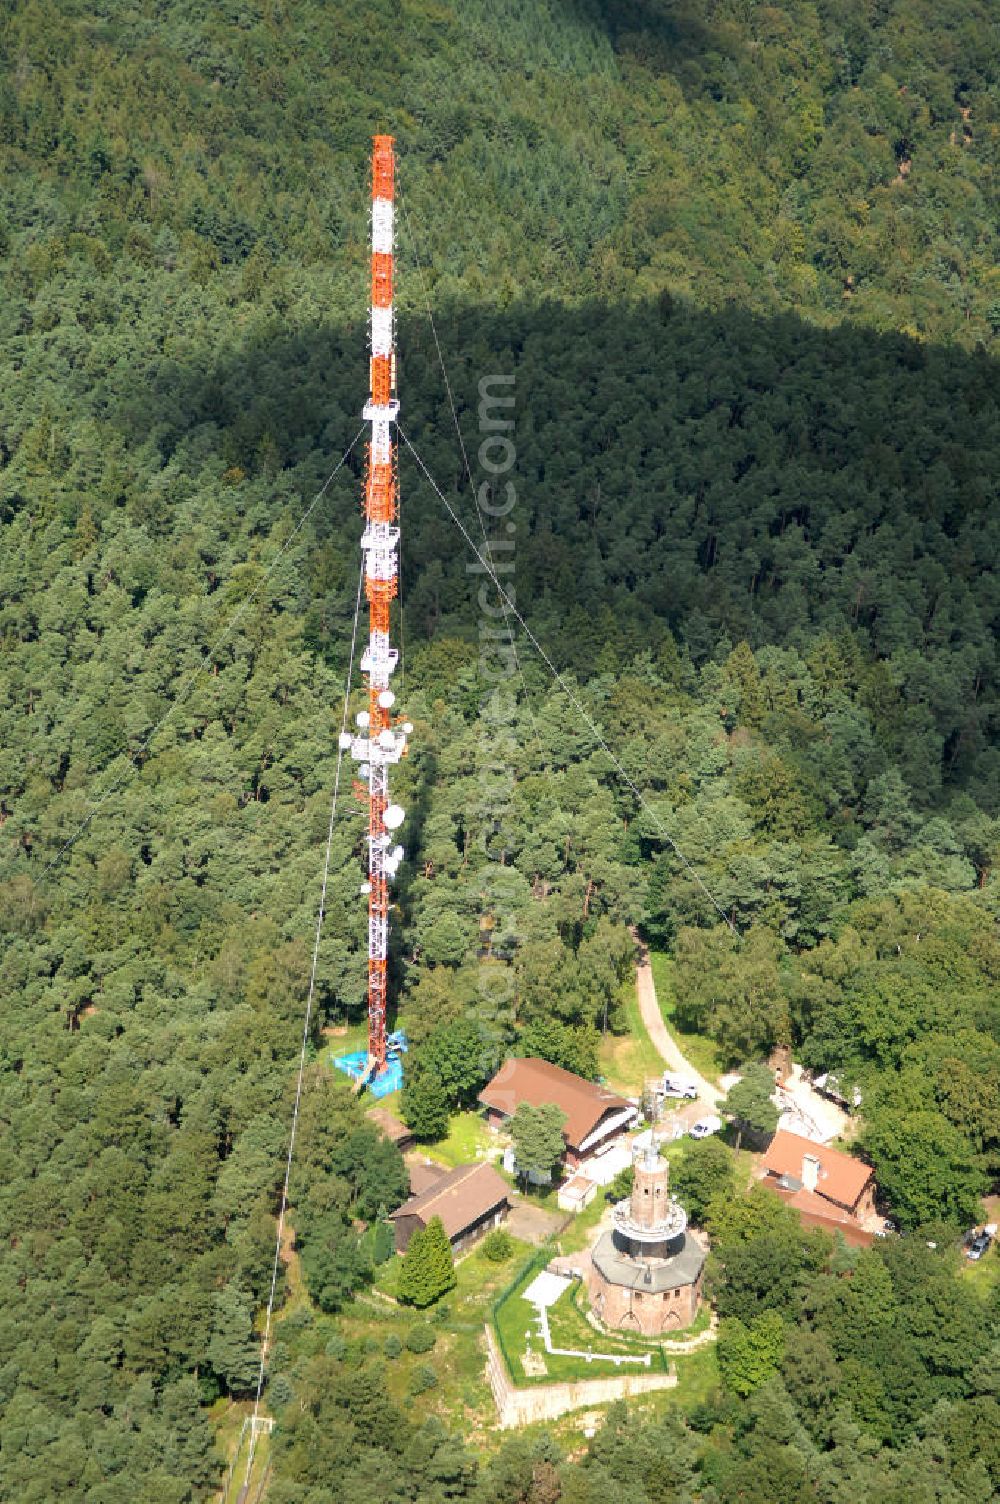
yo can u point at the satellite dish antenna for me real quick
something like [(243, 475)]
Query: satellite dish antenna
[(393, 817), (362, 718), (387, 699)]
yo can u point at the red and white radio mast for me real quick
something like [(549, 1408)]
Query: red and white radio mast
[(381, 739)]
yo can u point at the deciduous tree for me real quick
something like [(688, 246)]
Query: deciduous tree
[(537, 1133), (706, 1172), (749, 1106), (750, 1353), (424, 1105)]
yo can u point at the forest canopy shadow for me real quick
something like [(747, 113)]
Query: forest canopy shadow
[(718, 477)]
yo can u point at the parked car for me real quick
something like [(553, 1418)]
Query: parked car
[(978, 1246), (705, 1126), (676, 1086)]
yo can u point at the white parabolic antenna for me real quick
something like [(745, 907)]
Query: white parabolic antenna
[(393, 817)]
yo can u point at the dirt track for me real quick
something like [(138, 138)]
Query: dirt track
[(662, 1039)]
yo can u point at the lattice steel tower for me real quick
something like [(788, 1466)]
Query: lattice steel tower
[(381, 739)]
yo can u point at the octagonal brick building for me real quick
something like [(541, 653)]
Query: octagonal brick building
[(646, 1270)]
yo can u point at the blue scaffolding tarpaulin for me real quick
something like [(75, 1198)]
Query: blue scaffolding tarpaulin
[(355, 1065)]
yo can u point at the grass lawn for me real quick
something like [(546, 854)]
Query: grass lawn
[(354, 1037), (697, 1379), (702, 1052), (983, 1274), (387, 1276), (517, 1322), (580, 1232), (629, 1060), (467, 1132), (461, 1397), (576, 1302), (569, 1327), (228, 1418)]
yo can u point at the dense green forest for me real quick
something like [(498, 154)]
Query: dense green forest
[(742, 263)]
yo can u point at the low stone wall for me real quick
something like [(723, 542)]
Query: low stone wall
[(520, 1406), (671, 1344)]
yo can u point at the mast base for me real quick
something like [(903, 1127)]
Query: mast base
[(360, 1067)]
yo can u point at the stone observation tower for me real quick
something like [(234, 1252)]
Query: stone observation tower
[(646, 1270)]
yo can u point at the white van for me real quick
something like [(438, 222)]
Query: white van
[(676, 1086)]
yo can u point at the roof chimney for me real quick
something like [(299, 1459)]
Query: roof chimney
[(810, 1172)]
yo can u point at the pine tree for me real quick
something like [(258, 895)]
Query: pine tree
[(383, 1241), (232, 1351), (428, 1268)]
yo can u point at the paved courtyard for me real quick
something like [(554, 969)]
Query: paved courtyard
[(806, 1112), (602, 1168), (546, 1288)]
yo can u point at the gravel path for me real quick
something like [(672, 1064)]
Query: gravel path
[(662, 1039)]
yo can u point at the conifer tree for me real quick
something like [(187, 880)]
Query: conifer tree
[(428, 1268), (382, 1244), (232, 1350)]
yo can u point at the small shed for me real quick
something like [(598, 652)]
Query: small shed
[(576, 1193)]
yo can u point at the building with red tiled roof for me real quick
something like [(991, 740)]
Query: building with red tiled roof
[(828, 1188), (469, 1200), (593, 1113)]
